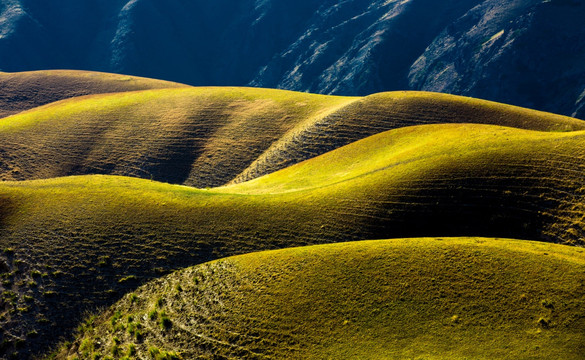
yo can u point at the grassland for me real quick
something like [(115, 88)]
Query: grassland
[(196, 136), (207, 137), (427, 298), (106, 192), (94, 238), (26, 90)]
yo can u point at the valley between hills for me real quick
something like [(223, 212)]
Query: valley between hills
[(148, 219)]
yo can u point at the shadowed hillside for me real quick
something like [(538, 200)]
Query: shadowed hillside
[(433, 298), (197, 136), (78, 242), (207, 137), (26, 90)]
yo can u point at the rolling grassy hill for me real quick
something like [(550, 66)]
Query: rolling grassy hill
[(26, 90), (78, 242), (111, 181), (426, 298), (206, 137)]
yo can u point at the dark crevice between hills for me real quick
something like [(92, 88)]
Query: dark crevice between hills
[(493, 204)]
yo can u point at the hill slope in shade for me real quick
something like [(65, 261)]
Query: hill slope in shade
[(79, 242), (518, 50), (197, 136), (207, 137), (523, 52), (27, 90), (433, 298)]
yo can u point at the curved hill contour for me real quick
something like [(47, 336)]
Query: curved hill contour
[(78, 242), (27, 90), (433, 298), (206, 137)]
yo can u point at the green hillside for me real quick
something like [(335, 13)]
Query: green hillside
[(196, 136), (110, 182), (206, 137), (26, 90), (75, 243), (426, 298), (376, 113)]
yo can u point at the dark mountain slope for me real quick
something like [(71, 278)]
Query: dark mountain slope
[(352, 47), (356, 47), (528, 52)]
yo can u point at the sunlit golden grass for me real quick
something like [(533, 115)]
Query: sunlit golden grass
[(426, 298), (295, 169), (26, 90), (206, 137), (104, 235), (196, 136)]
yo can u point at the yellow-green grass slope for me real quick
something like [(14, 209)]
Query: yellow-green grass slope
[(26, 90), (424, 298), (206, 137), (196, 136), (79, 242)]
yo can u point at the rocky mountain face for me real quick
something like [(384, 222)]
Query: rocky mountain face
[(524, 52)]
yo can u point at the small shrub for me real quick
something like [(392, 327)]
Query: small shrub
[(133, 298), (153, 351), (131, 350), (86, 347), (43, 320), (547, 304), (116, 350), (165, 321), (543, 323), (135, 329), (8, 294), (153, 314), (117, 315), (163, 355)]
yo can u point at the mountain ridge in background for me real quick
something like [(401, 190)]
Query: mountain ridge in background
[(488, 49)]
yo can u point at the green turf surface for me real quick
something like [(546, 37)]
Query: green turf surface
[(97, 237), (278, 169), (425, 298)]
